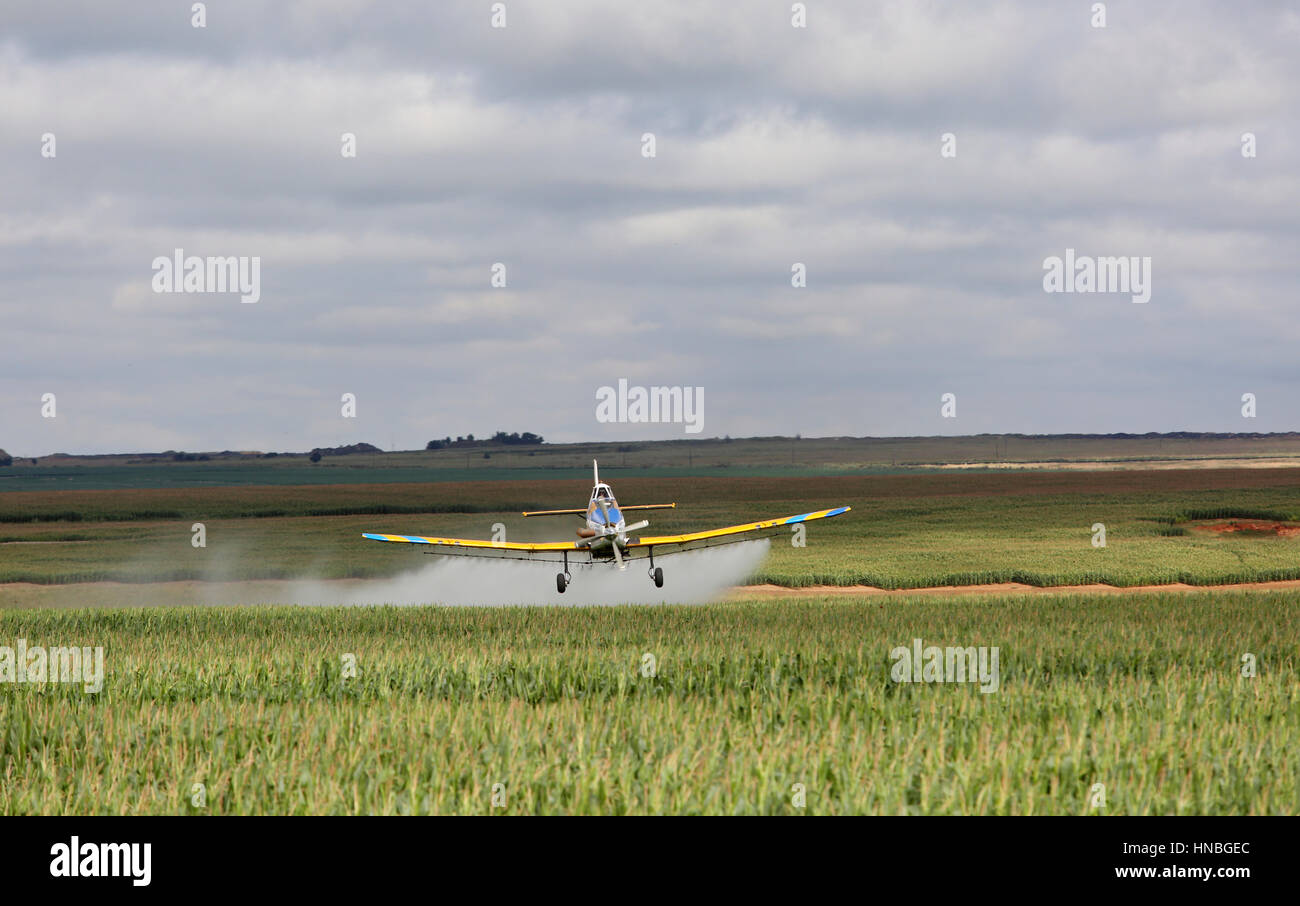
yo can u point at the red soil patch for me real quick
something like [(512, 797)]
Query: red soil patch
[(765, 592), (1257, 526)]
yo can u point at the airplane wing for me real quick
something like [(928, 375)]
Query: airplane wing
[(469, 547), (636, 547), (583, 511), (730, 535)]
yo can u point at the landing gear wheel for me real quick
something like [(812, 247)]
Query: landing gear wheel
[(561, 583), (658, 576)]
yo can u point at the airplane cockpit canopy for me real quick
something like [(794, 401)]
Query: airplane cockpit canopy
[(601, 494), (615, 517)]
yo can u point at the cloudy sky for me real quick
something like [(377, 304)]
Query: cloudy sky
[(774, 145)]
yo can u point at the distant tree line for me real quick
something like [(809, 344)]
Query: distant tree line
[(514, 438), (318, 452)]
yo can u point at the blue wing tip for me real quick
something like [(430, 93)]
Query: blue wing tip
[(803, 517)]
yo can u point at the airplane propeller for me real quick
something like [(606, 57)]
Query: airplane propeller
[(614, 541), (604, 515)]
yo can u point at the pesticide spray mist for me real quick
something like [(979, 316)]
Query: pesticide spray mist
[(689, 578)]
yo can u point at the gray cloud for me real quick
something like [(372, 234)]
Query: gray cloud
[(775, 145)]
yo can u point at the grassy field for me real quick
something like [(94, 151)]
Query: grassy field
[(1143, 695), (749, 457), (748, 702), (905, 531)]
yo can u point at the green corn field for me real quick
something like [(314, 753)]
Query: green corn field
[(1104, 705)]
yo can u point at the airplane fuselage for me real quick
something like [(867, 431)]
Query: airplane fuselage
[(605, 524)]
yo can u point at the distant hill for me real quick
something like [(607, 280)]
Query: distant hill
[(182, 456)]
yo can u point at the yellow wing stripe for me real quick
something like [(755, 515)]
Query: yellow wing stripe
[(470, 542), (739, 529)]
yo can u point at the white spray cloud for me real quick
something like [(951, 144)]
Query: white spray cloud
[(689, 578)]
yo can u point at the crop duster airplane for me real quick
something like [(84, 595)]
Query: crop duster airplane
[(606, 537)]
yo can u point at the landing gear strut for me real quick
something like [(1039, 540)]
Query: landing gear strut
[(656, 572), (563, 579)]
